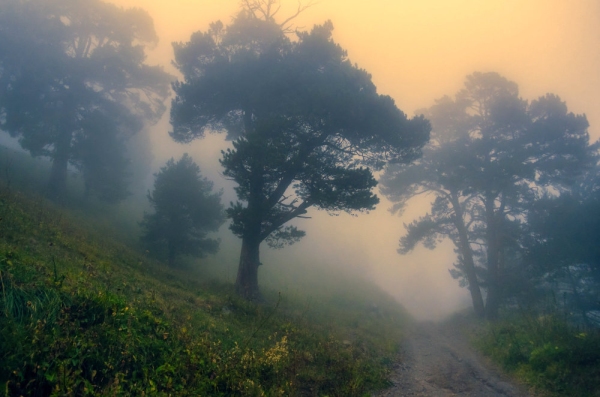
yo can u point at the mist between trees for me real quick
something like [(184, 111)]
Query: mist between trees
[(307, 129)]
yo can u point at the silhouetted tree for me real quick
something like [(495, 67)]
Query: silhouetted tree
[(74, 86), (561, 245), (491, 154), (101, 156), (308, 127), (185, 211)]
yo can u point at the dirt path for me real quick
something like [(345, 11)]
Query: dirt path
[(437, 360)]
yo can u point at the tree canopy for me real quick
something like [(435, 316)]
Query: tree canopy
[(491, 155), (74, 86), (561, 249), (185, 211), (308, 126)]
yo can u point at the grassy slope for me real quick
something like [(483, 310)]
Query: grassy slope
[(81, 313), (553, 357)]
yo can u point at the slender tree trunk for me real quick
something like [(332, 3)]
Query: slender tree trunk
[(468, 262), (471, 274), (577, 296), (493, 292), (87, 192), (246, 284), (57, 185), (172, 253)]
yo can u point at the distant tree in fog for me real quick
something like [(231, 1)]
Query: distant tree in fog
[(74, 86), (308, 127), (561, 246), (491, 155), (185, 211)]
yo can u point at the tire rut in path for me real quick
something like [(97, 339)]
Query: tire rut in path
[(437, 360)]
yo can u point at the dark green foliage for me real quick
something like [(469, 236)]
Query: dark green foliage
[(308, 126), (565, 229), (74, 86), (185, 211), (562, 250)]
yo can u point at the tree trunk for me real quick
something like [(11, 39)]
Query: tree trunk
[(493, 292), (577, 297), (171, 254), (57, 185), (87, 192), (468, 262), (246, 284), (471, 274)]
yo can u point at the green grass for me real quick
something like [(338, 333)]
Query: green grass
[(23, 173), (83, 314), (553, 357)]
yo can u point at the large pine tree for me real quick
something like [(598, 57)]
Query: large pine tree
[(308, 126)]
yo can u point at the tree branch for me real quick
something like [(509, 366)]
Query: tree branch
[(301, 8), (284, 218), (289, 176)]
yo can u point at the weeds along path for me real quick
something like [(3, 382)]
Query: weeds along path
[(437, 360)]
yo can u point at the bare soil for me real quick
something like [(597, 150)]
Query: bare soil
[(437, 360)]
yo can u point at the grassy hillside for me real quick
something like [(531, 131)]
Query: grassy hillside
[(83, 314), (552, 356)]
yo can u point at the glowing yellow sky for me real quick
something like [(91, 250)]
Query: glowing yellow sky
[(420, 50), (417, 51)]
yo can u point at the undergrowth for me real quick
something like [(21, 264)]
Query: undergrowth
[(552, 356), (82, 314)]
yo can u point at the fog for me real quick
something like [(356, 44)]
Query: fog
[(416, 51)]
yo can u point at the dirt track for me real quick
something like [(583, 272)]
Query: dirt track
[(437, 360)]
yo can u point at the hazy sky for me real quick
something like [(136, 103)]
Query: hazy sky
[(417, 51)]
